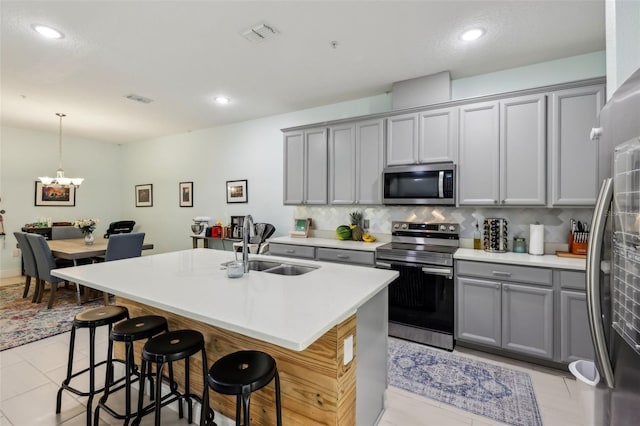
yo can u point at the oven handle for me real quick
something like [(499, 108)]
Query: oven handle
[(447, 272), (383, 265)]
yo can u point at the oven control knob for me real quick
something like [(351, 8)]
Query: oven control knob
[(443, 228), (452, 228), (396, 226), (404, 226)]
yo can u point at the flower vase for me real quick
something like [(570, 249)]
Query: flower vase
[(88, 239)]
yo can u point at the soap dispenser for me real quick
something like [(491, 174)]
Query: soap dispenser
[(477, 244)]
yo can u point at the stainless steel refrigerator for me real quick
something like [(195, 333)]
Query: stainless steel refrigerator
[(613, 262)]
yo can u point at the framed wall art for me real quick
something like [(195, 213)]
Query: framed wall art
[(55, 195), (186, 194), (237, 191), (144, 195)]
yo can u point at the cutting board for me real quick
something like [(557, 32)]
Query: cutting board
[(568, 254)]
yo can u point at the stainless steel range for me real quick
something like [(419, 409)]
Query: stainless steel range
[(421, 299)]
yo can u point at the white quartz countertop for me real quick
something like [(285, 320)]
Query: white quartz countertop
[(545, 261), (329, 243), (289, 311)]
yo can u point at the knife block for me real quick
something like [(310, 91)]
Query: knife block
[(578, 242)]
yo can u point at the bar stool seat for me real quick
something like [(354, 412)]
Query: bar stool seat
[(129, 331), (241, 373), (91, 319), (165, 349)]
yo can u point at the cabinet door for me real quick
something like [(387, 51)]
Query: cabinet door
[(402, 137), (342, 164), (575, 339), (316, 166), (369, 161), (438, 135), (478, 311), (574, 156), (479, 171), (527, 320), (294, 155), (523, 151)]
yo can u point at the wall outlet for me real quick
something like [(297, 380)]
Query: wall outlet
[(348, 349), (365, 224), (15, 253)]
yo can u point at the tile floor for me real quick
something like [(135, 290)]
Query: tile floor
[(30, 376)]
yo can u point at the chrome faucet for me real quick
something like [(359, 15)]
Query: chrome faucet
[(246, 231)]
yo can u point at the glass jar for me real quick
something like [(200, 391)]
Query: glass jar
[(519, 245)]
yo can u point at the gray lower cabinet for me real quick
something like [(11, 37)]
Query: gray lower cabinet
[(527, 320), (478, 311), (324, 254), (575, 339), (505, 314), (305, 166)]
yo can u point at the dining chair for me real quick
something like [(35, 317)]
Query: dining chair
[(122, 246), (45, 262), (65, 232), (29, 263)]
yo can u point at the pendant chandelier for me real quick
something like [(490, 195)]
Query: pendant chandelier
[(60, 180)]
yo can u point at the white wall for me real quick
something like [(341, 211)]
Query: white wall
[(249, 150), (623, 41), (26, 154)]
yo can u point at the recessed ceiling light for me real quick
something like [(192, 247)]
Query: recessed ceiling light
[(473, 34), (47, 32), (222, 100)]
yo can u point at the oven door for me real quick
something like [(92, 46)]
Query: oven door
[(421, 303)]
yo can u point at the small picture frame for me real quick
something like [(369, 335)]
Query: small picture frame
[(55, 195), (186, 194), (301, 227), (144, 195), (237, 191)]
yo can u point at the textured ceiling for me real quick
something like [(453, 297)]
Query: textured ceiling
[(182, 54)]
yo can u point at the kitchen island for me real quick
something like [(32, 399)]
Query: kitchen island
[(327, 329)]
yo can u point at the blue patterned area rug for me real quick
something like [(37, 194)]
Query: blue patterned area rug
[(496, 392)]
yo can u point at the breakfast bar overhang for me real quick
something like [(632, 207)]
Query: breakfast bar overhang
[(326, 329)]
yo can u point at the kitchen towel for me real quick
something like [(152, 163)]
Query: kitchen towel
[(536, 239)]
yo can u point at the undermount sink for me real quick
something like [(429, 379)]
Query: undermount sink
[(277, 268), (286, 269)]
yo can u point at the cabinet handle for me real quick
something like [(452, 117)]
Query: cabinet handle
[(502, 201), (342, 256), (501, 273), (505, 287), (290, 251), (495, 201), (497, 286)]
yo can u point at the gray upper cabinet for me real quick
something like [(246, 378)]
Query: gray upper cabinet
[(479, 171), (426, 137), (402, 137), (356, 159), (438, 135), (503, 152), (527, 320), (573, 158), (523, 155), (305, 166)]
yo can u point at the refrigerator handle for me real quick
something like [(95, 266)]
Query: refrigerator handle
[(594, 307)]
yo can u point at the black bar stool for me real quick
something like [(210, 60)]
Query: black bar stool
[(241, 373), (129, 331), (91, 319), (167, 348)]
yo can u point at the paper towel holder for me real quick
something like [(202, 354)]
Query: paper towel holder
[(536, 239)]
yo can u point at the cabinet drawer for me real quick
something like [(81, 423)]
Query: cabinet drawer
[(346, 256), (292, 250), (573, 279), (500, 271)]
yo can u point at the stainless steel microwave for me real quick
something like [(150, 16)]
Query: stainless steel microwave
[(421, 184)]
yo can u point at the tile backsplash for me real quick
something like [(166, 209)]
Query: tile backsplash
[(555, 220)]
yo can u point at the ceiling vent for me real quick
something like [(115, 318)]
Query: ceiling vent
[(139, 98), (260, 32)]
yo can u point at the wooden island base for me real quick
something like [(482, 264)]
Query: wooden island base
[(316, 387)]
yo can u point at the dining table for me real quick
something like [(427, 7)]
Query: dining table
[(76, 249)]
